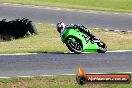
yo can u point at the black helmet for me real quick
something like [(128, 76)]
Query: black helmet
[(60, 26)]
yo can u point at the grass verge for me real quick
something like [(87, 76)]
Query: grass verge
[(103, 5), (53, 82), (48, 40)]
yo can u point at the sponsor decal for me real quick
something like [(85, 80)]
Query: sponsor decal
[(83, 78)]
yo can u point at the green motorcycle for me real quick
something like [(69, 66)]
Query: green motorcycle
[(78, 41)]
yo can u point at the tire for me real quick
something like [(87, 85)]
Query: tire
[(81, 80), (75, 46), (102, 48)]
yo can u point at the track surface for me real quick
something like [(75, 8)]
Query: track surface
[(91, 19), (60, 63)]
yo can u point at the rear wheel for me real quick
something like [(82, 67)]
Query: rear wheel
[(102, 47), (74, 44)]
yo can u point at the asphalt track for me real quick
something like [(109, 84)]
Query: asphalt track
[(64, 63), (60, 63), (52, 15)]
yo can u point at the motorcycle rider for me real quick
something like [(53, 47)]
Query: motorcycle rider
[(61, 27)]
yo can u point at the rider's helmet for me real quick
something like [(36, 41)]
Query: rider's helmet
[(60, 26)]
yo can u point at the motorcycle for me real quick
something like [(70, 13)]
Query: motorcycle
[(78, 42)]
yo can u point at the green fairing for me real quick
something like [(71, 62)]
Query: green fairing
[(87, 45)]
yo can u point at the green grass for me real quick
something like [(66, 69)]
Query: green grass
[(53, 82), (103, 5), (48, 40), (115, 40)]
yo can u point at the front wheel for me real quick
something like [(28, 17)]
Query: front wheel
[(74, 45)]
